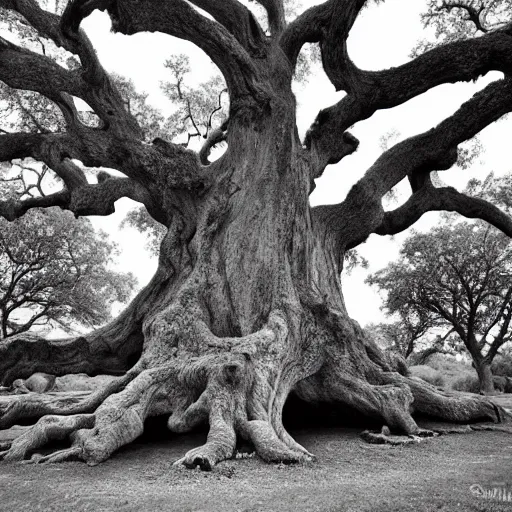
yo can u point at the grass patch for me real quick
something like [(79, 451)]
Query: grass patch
[(445, 371), (428, 374)]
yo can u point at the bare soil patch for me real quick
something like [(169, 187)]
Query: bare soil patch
[(349, 475)]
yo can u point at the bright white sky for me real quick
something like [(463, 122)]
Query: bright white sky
[(382, 37)]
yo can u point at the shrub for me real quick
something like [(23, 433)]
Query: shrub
[(449, 366), (466, 382), (427, 374), (502, 365)]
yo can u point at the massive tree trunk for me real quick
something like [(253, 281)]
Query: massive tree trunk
[(251, 308), (247, 305)]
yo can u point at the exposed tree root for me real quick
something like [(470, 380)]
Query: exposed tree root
[(111, 350), (238, 386), (49, 428), (272, 449), (218, 387), (450, 406), (497, 428), (32, 406), (380, 438), (385, 437)]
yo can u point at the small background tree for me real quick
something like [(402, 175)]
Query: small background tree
[(458, 277), (54, 271)]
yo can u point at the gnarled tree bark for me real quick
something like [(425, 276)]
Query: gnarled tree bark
[(247, 305)]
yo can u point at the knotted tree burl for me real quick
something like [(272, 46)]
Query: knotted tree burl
[(246, 305)]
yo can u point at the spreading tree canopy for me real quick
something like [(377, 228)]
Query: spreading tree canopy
[(246, 306), (54, 271), (460, 278)]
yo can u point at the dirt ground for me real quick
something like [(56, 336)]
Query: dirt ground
[(349, 475)]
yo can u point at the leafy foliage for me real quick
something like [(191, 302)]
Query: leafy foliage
[(496, 189), (55, 270), (428, 374), (199, 108), (140, 219), (399, 336), (456, 276), (150, 119), (455, 20), (502, 365), (353, 259)]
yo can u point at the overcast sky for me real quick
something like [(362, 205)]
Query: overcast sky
[(382, 37)]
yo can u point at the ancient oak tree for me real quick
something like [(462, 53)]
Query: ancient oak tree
[(246, 306)]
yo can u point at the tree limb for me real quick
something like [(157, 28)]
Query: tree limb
[(179, 19), (91, 83), (275, 13), (429, 199), (370, 91), (473, 12), (53, 148), (215, 137), (86, 199), (143, 163), (49, 26), (328, 24), (238, 20), (306, 28), (432, 150), (23, 69), (39, 73), (342, 73), (25, 145), (12, 209), (500, 338)]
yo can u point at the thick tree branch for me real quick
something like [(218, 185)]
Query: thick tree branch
[(96, 87), (215, 137), (49, 26), (180, 19), (22, 145), (52, 148), (342, 73), (433, 150), (239, 21), (99, 199), (328, 24), (306, 28), (82, 200), (147, 164), (275, 13), (12, 209), (22, 69), (370, 91), (56, 151), (429, 199)]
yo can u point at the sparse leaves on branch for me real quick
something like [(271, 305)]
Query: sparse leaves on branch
[(199, 108), (456, 20)]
